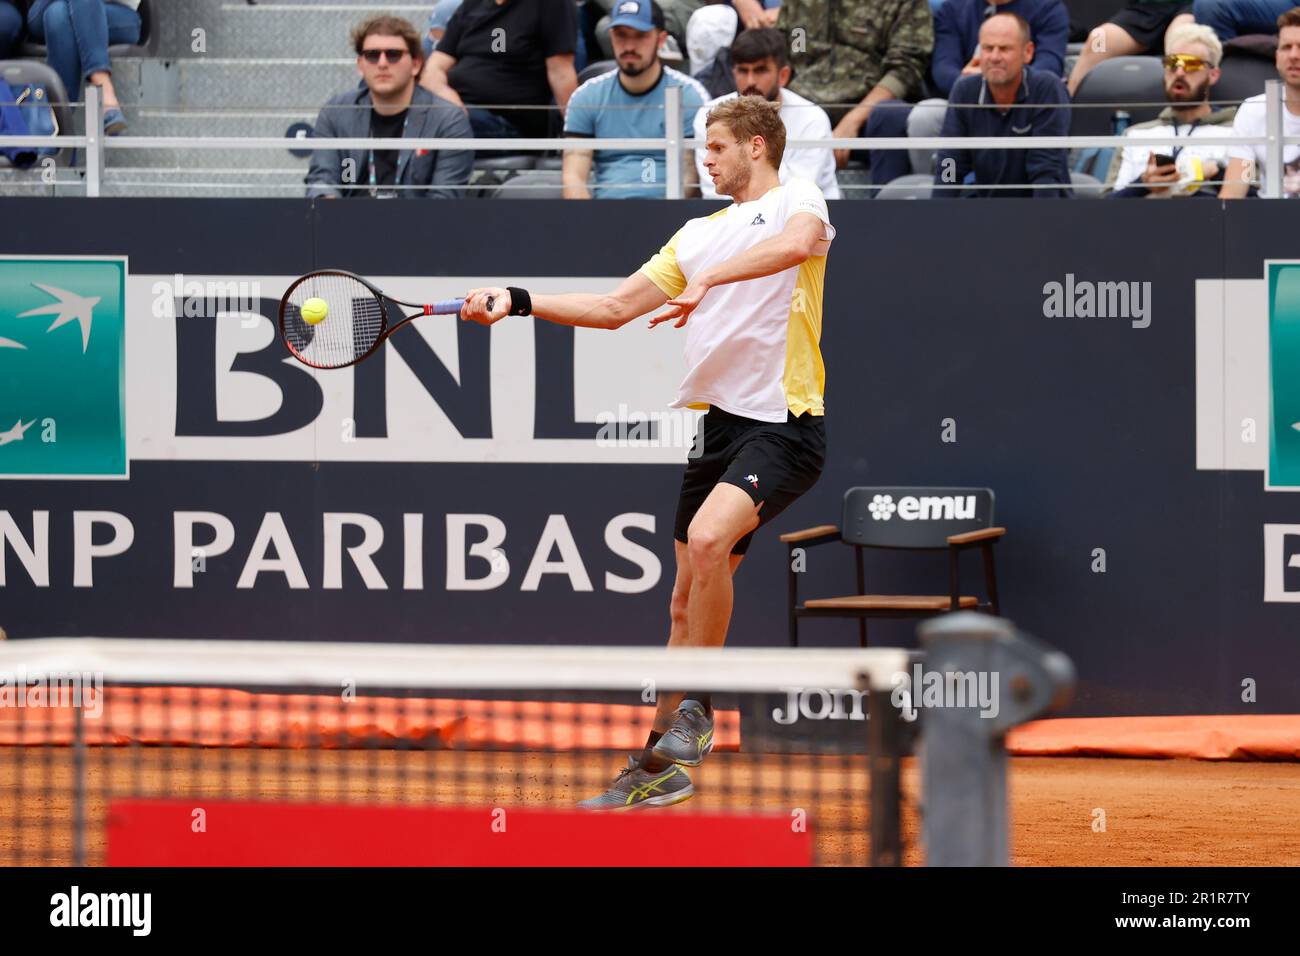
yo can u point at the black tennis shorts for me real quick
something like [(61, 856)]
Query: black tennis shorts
[(1146, 23), (772, 463)]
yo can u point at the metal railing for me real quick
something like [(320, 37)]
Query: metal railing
[(95, 142)]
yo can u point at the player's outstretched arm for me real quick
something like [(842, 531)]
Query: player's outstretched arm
[(635, 296)]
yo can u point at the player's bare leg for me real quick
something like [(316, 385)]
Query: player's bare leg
[(727, 515), (678, 631), (702, 600)]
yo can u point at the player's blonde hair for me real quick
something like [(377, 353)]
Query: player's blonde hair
[(750, 116), (1196, 33)]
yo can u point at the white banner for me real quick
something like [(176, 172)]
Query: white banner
[(630, 374)]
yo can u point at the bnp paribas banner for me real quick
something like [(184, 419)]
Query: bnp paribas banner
[(1248, 398), (62, 367), (1284, 368), (210, 380)]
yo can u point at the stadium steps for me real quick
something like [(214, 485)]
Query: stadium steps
[(264, 68)]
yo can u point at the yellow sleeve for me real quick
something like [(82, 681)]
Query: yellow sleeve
[(663, 271)]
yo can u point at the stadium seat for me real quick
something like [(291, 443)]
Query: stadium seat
[(1121, 79), (1242, 75), (21, 72), (593, 70), (147, 46), (532, 184), (911, 186), (1086, 186), (853, 178), (955, 519), (493, 169), (550, 162)]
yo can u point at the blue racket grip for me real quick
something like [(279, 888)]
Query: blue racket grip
[(451, 306)]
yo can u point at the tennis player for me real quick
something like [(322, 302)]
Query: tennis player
[(747, 284)]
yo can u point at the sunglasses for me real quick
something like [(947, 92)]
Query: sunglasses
[(392, 56), (1189, 63)]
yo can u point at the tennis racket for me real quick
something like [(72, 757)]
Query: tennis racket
[(357, 320)]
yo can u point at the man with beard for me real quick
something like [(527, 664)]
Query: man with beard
[(761, 67), (747, 282), (1191, 70), (1246, 163), (629, 103)]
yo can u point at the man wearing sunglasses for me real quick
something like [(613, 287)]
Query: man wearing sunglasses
[(389, 104), (1162, 172), (1247, 163)]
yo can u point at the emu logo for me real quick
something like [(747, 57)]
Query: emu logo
[(926, 508)]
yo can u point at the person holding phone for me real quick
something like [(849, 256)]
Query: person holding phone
[(1163, 172)]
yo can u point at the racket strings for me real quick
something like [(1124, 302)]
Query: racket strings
[(353, 322)]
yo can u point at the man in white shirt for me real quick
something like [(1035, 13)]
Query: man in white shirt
[(1191, 62), (761, 67), (746, 282), (1247, 163)]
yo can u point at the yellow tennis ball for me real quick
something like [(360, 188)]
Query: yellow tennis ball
[(314, 311)]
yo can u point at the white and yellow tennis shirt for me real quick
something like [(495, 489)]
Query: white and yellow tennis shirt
[(752, 347)]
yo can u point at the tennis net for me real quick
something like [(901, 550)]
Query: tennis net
[(126, 752)]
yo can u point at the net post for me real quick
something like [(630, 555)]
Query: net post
[(673, 132), (884, 751), (1273, 149), (964, 758)]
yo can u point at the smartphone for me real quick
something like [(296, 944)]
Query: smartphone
[(1163, 159)]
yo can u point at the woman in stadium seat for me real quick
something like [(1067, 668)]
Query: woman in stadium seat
[(76, 34)]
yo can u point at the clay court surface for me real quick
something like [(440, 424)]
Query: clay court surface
[(1156, 812)]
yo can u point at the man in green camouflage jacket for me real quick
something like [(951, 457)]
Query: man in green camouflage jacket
[(862, 52)]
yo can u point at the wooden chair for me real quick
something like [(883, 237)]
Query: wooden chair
[(911, 519)]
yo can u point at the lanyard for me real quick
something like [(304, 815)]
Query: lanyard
[(401, 163), (1191, 127)]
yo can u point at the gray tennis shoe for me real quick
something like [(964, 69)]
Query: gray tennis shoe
[(635, 788), (690, 738)]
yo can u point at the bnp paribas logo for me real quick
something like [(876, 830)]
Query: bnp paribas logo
[(1284, 374), (62, 365)]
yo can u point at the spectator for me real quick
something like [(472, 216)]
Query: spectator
[(1246, 163), (629, 103), (76, 34), (755, 14), (499, 54), (390, 104), (710, 31), (1191, 69), (677, 13), (11, 26), (762, 68), (1233, 18), (713, 26), (1023, 102), (437, 25), (1142, 25), (956, 54), (868, 53)]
